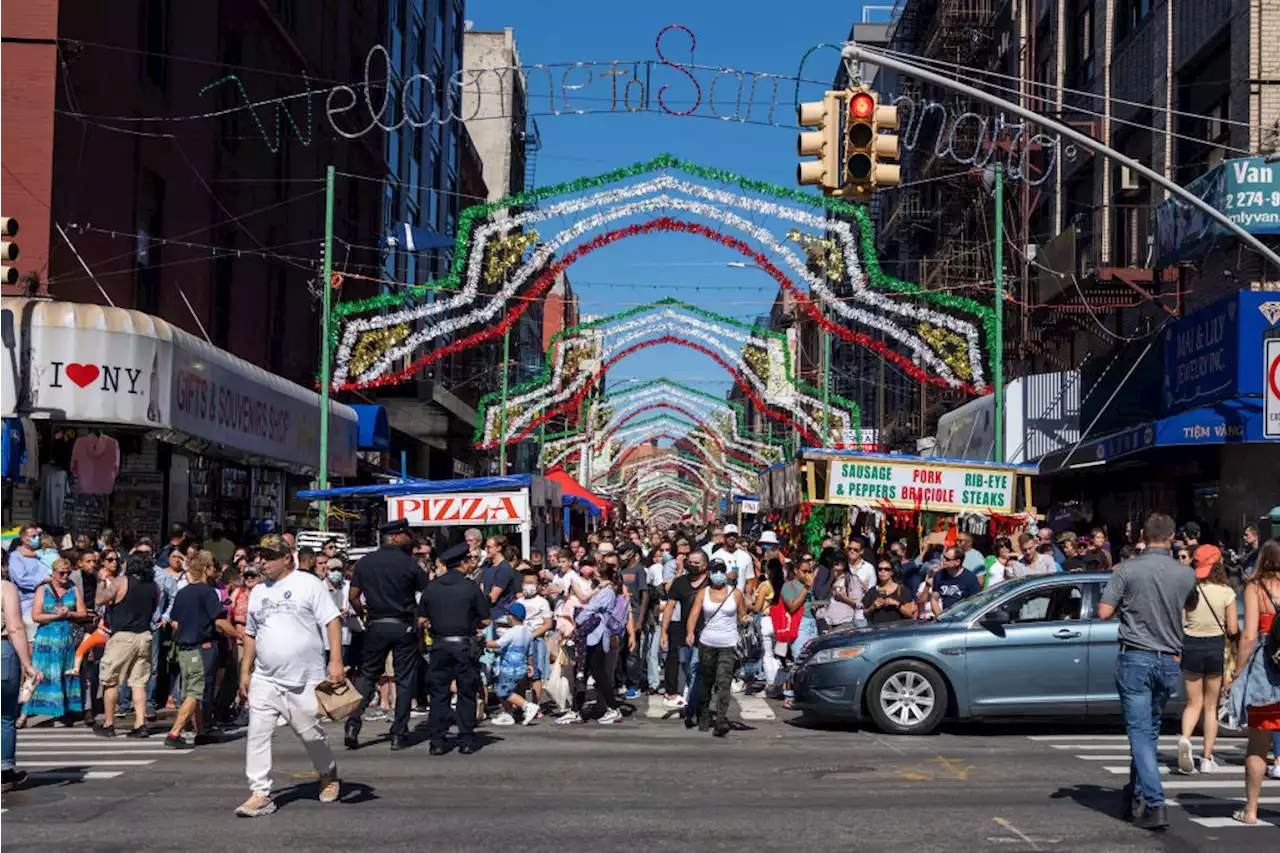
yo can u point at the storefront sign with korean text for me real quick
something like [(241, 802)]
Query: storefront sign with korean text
[(874, 482)]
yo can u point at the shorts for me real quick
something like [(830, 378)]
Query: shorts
[(541, 659), (1202, 656), (198, 665), (127, 658), (29, 622), (509, 679)]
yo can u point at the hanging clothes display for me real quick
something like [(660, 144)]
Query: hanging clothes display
[(95, 461), (53, 492)]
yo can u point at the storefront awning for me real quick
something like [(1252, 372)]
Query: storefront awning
[(95, 364), (419, 487), (570, 486), (1237, 420), (375, 431)]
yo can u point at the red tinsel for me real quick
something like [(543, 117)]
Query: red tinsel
[(663, 223)]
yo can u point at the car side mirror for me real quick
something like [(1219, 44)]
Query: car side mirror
[(995, 619)]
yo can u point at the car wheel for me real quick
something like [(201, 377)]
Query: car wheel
[(907, 698)]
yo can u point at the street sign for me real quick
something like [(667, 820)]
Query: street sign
[(1271, 389), (934, 487)]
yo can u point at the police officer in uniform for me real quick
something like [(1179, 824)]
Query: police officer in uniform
[(389, 580), (455, 609)]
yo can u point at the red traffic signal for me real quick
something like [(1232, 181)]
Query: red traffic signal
[(861, 106)]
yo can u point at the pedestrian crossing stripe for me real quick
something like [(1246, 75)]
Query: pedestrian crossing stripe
[(126, 763), (28, 751), (1193, 793)]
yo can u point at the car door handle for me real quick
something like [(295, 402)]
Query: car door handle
[(1066, 634)]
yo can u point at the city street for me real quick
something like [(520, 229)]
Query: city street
[(645, 782)]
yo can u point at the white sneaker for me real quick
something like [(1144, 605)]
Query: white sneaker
[(1273, 772), (611, 716), (531, 713), (504, 719), (672, 703), (737, 686), (1208, 765), (569, 718), (1186, 761)]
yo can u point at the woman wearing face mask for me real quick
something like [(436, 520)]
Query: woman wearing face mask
[(339, 589), (713, 627)]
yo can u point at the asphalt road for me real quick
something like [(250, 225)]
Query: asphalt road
[(644, 783)]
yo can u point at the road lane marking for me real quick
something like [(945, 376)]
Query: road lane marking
[(38, 752), (1231, 823), (754, 708), (130, 763), (74, 775)]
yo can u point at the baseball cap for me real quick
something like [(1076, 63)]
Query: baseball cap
[(516, 609), (768, 538), (274, 543), (731, 530), (1205, 558)]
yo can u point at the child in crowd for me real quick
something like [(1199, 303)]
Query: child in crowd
[(538, 620), (513, 667), (107, 575)]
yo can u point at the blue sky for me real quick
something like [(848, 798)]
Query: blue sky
[(749, 35)]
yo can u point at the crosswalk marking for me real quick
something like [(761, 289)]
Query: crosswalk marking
[(73, 775), (37, 752), (754, 707), (1202, 798), (128, 763)]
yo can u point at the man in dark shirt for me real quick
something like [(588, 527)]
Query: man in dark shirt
[(1072, 560), (196, 613), (679, 605), (637, 586), (954, 583), (389, 580), (498, 580), (454, 609)]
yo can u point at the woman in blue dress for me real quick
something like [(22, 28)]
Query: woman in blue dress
[(57, 604)]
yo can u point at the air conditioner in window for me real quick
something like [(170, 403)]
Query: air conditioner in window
[(1128, 178)]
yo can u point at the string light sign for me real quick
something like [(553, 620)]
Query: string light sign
[(665, 85)]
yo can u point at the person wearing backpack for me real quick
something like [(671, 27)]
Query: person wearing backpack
[(1255, 691)]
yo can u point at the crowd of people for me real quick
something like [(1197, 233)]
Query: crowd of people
[(234, 636)]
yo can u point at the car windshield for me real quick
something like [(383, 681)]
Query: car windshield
[(970, 607)]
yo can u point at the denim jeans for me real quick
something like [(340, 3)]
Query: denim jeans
[(691, 692), (807, 631), (1145, 682), (653, 651), (9, 688)]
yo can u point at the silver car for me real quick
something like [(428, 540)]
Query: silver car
[(1024, 648)]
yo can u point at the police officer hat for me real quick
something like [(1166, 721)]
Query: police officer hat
[(391, 528), (453, 557)]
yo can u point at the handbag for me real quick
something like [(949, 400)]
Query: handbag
[(786, 626), (337, 701), (749, 643)]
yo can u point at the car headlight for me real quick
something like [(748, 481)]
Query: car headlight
[(833, 655)]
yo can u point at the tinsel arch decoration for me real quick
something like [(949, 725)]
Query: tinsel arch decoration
[(774, 390), (467, 316)]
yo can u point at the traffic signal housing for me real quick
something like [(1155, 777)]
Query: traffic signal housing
[(8, 250), (823, 143), (869, 154)]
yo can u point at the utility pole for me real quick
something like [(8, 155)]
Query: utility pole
[(502, 414), (326, 319), (826, 387), (997, 357)]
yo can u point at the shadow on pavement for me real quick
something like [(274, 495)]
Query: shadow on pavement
[(352, 793), (1105, 801)]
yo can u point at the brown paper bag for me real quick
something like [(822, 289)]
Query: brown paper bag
[(337, 701)]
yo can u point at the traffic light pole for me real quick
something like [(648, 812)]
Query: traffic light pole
[(326, 319), (853, 52), (997, 357)]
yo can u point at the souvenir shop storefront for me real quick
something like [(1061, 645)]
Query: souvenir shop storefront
[(114, 418)]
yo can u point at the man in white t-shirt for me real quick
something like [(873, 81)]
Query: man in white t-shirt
[(283, 661), (742, 569), (858, 565)]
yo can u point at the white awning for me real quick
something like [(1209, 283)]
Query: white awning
[(89, 363)]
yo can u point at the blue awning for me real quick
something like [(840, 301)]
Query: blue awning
[(1237, 420), (375, 431), (420, 487), (574, 500)]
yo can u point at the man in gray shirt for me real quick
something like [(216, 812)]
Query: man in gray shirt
[(1148, 593)]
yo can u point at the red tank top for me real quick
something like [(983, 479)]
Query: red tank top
[(1265, 615)]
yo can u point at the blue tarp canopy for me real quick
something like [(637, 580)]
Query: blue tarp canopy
[(570, 500), (375, 432), (420, 487)]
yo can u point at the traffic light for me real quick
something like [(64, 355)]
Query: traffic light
[(8, 250), (867, 150), (823, 143)]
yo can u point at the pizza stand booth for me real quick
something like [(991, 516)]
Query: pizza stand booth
[(892, 494), (516, 503)]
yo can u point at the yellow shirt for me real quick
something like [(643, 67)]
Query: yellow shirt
[(1214, 601)]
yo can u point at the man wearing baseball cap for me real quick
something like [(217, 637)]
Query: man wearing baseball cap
[(283, 661), (741, 568)]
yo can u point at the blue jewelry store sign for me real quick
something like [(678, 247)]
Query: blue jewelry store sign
[(1216, 352)]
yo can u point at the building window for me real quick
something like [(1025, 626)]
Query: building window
[(155, 38), (438, 41), (223, 284), (1084, 46), (1130, 15), (418, 45)]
